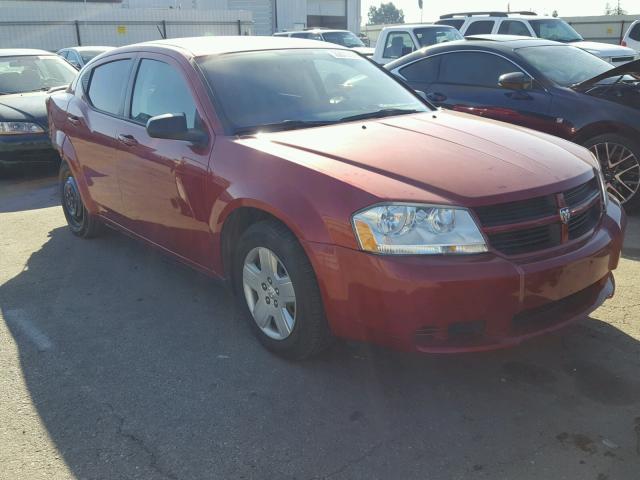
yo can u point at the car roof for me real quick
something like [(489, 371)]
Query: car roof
[(503, 45), (407, 26), (201, 46), (21, 52)]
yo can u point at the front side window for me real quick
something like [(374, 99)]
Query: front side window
[(435, 35), (346, 39), (474, 68), (107, 85), (34, 73), (300, 87), (514, 27), (398, 45), (555, 29), (480, 27), (160, 89)]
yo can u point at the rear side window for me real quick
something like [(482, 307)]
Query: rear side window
[(452, 23), (423, 71), (398, 44), (480, 27), (161, 89), (477, 69), (107, 85), (514, 27), (634, 34)]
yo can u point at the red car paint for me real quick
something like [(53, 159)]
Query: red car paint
[(177, 197)]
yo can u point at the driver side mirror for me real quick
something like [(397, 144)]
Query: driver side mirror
[(173, 126), (515, 81)]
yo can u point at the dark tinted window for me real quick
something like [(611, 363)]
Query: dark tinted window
[(634, 34), (423, 71), (479, 69), (513, 27), (453, 23), (480, 27), (108, 84), (161, 89)]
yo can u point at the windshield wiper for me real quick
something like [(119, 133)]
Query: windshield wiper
[(284, 125), (385, 112)]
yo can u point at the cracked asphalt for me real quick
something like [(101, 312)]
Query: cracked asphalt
[(118, 363)]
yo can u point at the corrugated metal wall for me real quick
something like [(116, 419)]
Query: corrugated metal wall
[(262, 11), (39, 25)]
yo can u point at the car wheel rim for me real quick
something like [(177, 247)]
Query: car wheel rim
[(621, 169), (269, 293), (72, 201)]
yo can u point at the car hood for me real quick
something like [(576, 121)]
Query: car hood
[(455, 158), (631, 68), (605, 49), (366, 51), (24, 107)]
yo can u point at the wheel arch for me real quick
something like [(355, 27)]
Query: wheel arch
[(601, 128), (68, 156)]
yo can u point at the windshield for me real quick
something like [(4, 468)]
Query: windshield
[(346, 39), (89, 54), (32, 73), (564, 64), (555, 29), (302, 86), (434, 35)]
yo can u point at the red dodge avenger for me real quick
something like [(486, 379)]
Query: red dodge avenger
[(335, 201)]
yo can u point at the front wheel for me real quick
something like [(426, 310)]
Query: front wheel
[(80, 221), (619, 158), (278, 291)]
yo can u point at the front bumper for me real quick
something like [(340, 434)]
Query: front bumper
[(466, 303), (33, 149)]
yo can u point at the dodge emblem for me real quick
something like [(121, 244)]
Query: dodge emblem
[(565, 215)]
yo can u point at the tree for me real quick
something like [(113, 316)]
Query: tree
[(555, 14), (386, 13), (617, 10)]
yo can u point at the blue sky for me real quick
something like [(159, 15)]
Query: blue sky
[(568, 8)]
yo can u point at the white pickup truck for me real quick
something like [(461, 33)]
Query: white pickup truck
[(398, 41)]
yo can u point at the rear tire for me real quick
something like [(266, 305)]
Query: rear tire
[(81, 223), (619, 157), (270, 266)]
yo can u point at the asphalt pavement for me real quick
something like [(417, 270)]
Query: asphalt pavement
[(119, 363)]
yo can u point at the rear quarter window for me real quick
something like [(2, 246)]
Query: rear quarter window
[(634, 34)]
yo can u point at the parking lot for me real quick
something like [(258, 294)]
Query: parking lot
[(117, 362)]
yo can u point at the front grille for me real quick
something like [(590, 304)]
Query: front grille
[(517, 242), (584, 222), (515, 212), (510, 238)]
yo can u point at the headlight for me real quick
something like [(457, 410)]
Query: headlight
[(597, 168), (402, 229), (19, 128)]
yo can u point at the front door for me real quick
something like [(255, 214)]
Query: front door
[(163, 181)]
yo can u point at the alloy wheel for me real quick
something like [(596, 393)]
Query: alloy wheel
[(621, 169), (269, 293)]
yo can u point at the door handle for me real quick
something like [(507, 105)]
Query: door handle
[(73, 119), (436, 97), (129, 140)]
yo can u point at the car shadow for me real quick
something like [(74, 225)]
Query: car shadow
[(141, 368), (20, 192)]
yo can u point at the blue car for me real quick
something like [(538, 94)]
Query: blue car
[(544, 85)]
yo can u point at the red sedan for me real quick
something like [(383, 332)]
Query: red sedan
[(333, 199)]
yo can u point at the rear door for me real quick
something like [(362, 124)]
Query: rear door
[(468, 82), (92, 117), (163, 181)]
